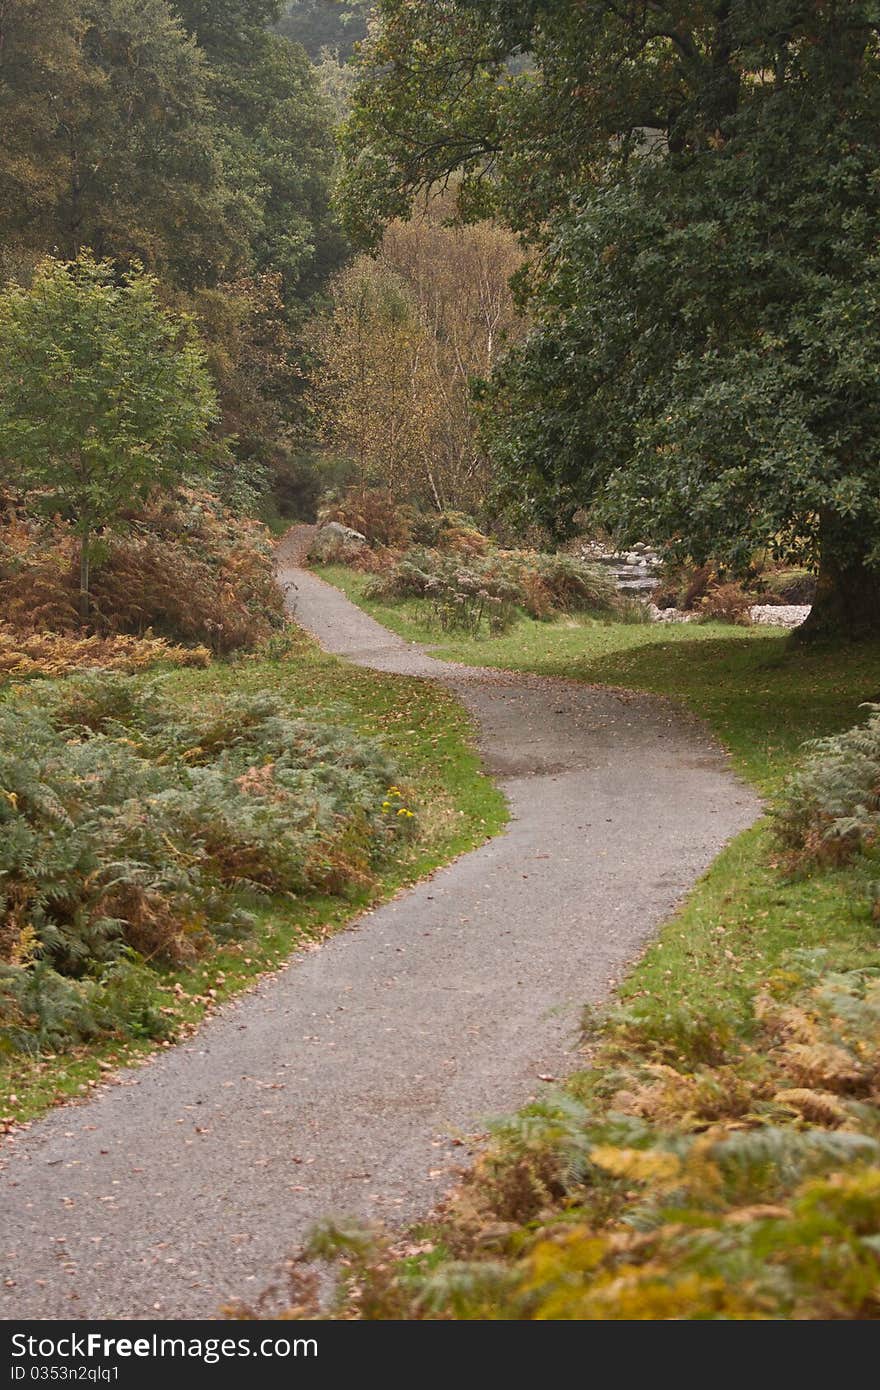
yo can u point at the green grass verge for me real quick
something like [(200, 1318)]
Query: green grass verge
[(743, 929), (431, 739), (742, 921)]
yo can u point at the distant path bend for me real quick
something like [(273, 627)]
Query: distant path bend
[(337, 1085)]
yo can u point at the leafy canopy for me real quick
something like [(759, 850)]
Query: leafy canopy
[(189, 137), (103, 394), (706, 361), (701, 182)]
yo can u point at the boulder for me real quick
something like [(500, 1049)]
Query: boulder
[(341, 533), (334, 543)]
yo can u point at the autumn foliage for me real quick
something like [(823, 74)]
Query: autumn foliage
[(398, 350), (185, 570), (664, 1186)]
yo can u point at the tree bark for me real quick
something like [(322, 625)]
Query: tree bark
[(847, 602), (85, 557)]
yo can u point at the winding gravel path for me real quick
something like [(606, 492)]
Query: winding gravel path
[(339, 1084)]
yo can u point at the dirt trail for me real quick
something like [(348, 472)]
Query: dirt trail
[(338, 1085)]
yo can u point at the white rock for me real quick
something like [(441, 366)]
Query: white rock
[(779, 615), (345, 533)]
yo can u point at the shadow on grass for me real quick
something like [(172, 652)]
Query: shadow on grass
[(763, 699)]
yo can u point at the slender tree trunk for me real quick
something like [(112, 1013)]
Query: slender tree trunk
[(85, 557), (847, 602)]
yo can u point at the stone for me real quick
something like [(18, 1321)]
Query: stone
[(344, 533), (780, 614)]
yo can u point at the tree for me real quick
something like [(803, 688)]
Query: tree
[(108, 139), (372, 389), (222, 27), (273, 133), (104, 396), (428, 105), (705, 363), (408, 334), (188, 137), (112, 145), (323, 26), (41, 69), (458, 278)]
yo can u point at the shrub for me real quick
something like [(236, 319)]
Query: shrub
[(485, 591), (333, 547), (56, 653), (796, 586), (41, 1010), (372, 511), (451, 532), (683, 586), (830, 810), (130, 823), (186, 569), (702, 587), (727, 603), (573, 585)]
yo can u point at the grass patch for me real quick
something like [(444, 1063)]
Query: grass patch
[(429, 737), (741, 922), (761, 694)]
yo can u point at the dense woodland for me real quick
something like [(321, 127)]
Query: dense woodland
[(193, 141), (492, 288), (686, 199)]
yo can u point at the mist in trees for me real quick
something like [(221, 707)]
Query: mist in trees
[(337, 25)]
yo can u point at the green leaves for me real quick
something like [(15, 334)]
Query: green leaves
[(185, 136), (705, 365), (103, 394)]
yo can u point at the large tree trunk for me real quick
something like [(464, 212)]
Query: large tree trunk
[(847, 602)]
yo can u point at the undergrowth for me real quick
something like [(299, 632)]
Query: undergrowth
[(185, 569), (715, 1161), (225, 826), (133, 829), (59, 653), (487, 592), (830, 810)]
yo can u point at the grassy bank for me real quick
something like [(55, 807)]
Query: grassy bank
[(718, 1156), (761, 695), (428, 738)]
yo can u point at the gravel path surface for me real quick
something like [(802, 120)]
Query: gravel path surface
[(338, 1085)]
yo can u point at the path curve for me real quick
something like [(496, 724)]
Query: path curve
[(337, 1085)]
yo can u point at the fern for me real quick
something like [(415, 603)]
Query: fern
[(830, 810), (129, 822)]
